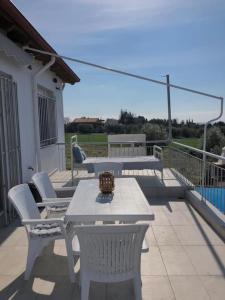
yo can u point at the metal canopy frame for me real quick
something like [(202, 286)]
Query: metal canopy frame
[(167, 84)]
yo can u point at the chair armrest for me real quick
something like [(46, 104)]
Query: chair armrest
[(56, 200), (60, 221), (49, 202), (65, 188), (65, 191)]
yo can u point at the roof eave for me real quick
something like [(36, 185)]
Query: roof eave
[(35, 40)]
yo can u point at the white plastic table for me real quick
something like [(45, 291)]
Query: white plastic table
[(127, 203)]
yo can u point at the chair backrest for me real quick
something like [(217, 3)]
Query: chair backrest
[(111, 251), (23, 201), (44, 185), (114, 167)]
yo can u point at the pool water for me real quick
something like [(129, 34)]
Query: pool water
[(216, 196)]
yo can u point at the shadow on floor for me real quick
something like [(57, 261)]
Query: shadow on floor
[(204, 234), (49, 279), (6, 231)]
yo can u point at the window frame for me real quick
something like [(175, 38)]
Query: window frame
[(48, 129)]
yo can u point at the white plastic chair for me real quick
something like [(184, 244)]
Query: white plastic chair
[(39, 231), (114, 167), (48, 194), (110, 253)]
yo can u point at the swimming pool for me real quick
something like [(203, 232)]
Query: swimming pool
[(216, 196)]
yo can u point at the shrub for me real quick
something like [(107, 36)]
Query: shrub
[(215, 140), (154, 131), (85, 128), (114, 128)]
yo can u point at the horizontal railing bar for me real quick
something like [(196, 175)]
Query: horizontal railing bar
[(200, 151), (58, 144), (196, 158), (122, 72), (185, 153), (122, 143)]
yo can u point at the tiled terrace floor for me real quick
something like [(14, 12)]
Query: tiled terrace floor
[(186, 261), (154, 178)]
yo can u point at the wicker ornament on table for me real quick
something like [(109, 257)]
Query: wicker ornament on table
[(106, 182)]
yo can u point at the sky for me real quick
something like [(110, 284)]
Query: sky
[(152, 38)]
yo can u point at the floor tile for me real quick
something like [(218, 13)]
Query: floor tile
[(176, 205), (49, 265), (188, 287), (10, 286), (160, 219), (177, 218), (165, 235), (215, 286), (55, 288), (208, 260), (194, 218), (150, 237), (156, 288), (16, 237), (13, 260), (176, 261), (193, 235), (152, 263)]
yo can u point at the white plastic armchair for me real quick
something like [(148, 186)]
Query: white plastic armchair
[(39, 231), (110, 253), (48, 194), (114, 167)]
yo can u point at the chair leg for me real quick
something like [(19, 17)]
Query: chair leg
[(34, 250), (137, 287), (70, 259), (85, 285)]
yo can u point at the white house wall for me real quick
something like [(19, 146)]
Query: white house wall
[(23, 77), (52, 157)]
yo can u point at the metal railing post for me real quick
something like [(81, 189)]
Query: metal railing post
[(169, 108), (205, 140)]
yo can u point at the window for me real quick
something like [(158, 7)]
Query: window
[(10, 155), (47, 117)]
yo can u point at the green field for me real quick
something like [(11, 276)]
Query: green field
[(193, 142)]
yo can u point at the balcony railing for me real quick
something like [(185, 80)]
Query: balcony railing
[(207, 178)]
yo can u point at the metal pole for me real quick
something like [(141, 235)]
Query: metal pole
[(169, 107), (121, 72)]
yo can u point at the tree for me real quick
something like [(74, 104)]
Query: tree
[(71, 127), (154, 131), (85, 128), (114, 128), (215, 140), (126, 117), (140, 120)]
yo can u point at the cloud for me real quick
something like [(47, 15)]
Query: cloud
[(72, 21)]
